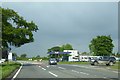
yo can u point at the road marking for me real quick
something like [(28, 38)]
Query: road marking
[(104, 77), (75, 71), (115, 71), (39, 66), (43, 68), (48, 66), (61, 67), (84, 73), (53, 74), (17, 72)]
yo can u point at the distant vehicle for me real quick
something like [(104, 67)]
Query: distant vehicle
[(109, 61), (2, 60), (52, 61)]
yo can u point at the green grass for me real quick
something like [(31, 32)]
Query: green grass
[(8, 68), (65, 62)]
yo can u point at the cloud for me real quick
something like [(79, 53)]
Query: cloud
[(61, 23)]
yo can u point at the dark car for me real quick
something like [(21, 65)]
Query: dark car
[(52, 61), (103, 60)]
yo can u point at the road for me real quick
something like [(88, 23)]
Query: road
[(43, 70)]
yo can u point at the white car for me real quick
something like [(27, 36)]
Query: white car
[(2, 60)]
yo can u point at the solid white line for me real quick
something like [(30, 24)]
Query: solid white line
[(61, 67), (43, 68), (17, 72), (53, 74)]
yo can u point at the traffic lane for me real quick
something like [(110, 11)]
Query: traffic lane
[(33, 71), (62, 72), (92, 70), (68, 72)]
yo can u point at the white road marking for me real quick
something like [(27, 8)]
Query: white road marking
[(39, 66), (104, 77), (43, 68), (115, 71), (17, 72), (84, 73), (75, 71), (53, 74), (61, 67), (48, 66)]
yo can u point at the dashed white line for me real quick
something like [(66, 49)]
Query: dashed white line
[(115, 71), (47, 66), (61, 67), (75, 71), (53, 74), (43, 68), (84, 73)]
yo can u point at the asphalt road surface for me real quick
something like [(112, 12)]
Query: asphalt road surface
[(43, 70)]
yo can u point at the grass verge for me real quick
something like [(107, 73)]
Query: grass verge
[(116, 66), (8, 68)]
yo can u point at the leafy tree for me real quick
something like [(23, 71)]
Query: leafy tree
[(14, 54), (118, 55), (66, 47), (23, 55), (38, 56), (85, 53), (16, 31), (56, 48), (101, 46)]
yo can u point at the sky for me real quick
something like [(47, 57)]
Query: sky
[(76, 23)]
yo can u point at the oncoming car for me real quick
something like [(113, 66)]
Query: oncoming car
[(52, 61)]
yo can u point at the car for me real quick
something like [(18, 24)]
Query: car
[(52, 61), (108, 60), (2, 60)]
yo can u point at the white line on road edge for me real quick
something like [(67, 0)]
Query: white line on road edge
[(17, 72), (43, 68), (53, 74), (61, 67)]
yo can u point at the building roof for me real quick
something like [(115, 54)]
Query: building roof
[(59, 52)]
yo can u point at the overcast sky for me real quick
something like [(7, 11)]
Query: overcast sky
[(61, 23)]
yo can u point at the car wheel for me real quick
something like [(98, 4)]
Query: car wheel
[(111, 63), (95, 63)]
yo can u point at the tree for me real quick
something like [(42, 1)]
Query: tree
[(38, 56), (23, 55), (101, 46), (85, 53), (56, 48), (16, 31), (66, 47), (14, 54)]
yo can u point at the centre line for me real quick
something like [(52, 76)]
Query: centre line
[(61, 67)]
